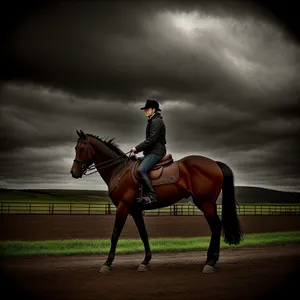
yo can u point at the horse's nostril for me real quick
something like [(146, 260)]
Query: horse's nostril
[(71, 171)]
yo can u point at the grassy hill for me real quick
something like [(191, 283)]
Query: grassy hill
[(47, 195), (243, 195), (257, 195), (261, 195)]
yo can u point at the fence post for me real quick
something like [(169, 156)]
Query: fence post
[(175, 209), (70, 208), (89, 208)]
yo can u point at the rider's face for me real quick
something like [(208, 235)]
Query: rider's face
[(149, 111)]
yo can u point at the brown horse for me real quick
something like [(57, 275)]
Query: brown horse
[(195, 176)]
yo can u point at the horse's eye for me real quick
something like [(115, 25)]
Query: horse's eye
[(81, 149)]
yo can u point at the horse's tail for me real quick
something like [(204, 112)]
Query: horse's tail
[(230, 222)]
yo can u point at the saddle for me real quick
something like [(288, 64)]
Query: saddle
[(166, 171)]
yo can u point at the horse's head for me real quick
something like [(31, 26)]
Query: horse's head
[(83, 155)]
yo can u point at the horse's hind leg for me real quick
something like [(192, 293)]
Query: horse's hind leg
[(209, 209)]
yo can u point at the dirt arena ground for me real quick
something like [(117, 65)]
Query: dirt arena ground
[(39, 227), (249, 273)]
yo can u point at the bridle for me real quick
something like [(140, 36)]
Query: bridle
[(83, 162), (86, 168)]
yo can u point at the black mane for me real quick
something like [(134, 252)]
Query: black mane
[(110, 144)]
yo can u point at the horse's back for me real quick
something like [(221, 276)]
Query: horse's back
[(201, 161), (201, 167)]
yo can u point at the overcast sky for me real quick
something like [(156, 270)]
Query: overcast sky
[(226, 76)]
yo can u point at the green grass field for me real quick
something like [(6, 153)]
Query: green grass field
[(72, 247)]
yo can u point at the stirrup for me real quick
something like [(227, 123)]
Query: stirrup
[(147, 199), (145, 205)]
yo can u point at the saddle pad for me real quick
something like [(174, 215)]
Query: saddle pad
[(167, 174)]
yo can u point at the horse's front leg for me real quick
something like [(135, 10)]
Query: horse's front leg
[(121, 217), (140, 223)]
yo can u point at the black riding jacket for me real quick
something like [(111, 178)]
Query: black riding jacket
[(155, 137)]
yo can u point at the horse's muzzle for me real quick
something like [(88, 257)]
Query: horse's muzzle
[(75, 174)]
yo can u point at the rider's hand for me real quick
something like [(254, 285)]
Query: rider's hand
[(133, 150)]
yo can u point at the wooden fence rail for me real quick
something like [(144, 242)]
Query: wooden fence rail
[(34, 208)]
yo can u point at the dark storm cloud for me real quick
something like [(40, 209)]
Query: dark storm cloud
[(226, 77), (33, 116), (43, 135), (96, 48)]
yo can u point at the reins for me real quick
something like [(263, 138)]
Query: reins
[(93, 167)]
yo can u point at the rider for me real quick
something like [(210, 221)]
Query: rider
[(153, 148)]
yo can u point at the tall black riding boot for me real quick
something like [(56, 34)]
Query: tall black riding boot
[(150, 197)]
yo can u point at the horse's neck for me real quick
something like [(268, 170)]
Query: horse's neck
[(103, 154)]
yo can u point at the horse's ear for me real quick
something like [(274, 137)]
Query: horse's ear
[(78, 133), (82, 134)]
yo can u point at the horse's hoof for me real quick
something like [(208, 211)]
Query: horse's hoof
[(208, 269), (142, 268), (105, 269)]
